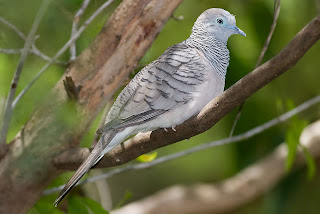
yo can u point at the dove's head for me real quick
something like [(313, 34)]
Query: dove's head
[(217, 22)]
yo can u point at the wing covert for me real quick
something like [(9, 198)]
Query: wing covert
[(166, 83)]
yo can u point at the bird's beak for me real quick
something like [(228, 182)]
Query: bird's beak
[(238, 31)]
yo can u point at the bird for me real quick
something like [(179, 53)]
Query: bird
[(169, 90)]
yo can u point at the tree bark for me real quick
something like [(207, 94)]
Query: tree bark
[(27, 169), (231, 193)]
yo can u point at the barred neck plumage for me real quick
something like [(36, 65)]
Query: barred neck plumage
[(215, 51)]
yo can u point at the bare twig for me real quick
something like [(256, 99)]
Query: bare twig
[(14, 28), (277, 4), (77, 17), (62, 50), (15, 80), (34, 50), (12, 51), (253, 132), (99, 188), (37, 52)]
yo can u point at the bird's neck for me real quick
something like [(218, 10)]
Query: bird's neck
[(215, 51)]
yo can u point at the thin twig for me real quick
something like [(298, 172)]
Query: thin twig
[(237, 118), (14, 28), (34, 50), (76, 19), (246, 135), (273, 27), (12, 51), (62, 50), (277, 4), (15, 80)]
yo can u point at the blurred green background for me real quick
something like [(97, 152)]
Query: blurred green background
[(295, 194)]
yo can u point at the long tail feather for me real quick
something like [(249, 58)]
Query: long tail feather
[(102, 147), (90, 161)]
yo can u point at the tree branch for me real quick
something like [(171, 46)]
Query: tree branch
[(27, 169), (212, 112), (76, 19), (244, 136), (73, 38), (34, 50), (277, 4), (276, 12), (29, 41), (231, 193), (14, 28)]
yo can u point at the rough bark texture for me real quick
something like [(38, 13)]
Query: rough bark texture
[(27, 169), (232, 193), (211, 114)]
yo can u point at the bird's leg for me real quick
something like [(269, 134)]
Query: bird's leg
[(165, 129), (173, 128)]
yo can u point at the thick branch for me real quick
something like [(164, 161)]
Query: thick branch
[(241, 137), (212, 113), (232, 193), (73, 38), (26, 170)]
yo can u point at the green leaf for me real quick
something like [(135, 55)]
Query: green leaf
[(77, 206), (311, 165), (292, 141), (290, 105), (147, 157), (94, 206), (296, 126), (44, 205)]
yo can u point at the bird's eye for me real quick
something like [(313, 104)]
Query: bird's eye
[(220, 21)]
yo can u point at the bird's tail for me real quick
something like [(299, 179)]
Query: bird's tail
[(89, 162)]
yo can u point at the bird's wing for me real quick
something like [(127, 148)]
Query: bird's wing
[(164, 84)]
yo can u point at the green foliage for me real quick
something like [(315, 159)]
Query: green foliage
[(44, 206), (147, 157), (83, 205), (94, 206), (76, 206), (294, 131), (311, 164), (292, 140)]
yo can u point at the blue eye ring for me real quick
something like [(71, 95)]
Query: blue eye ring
[(219, 21)]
